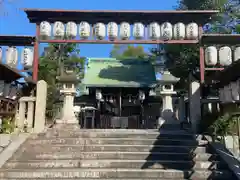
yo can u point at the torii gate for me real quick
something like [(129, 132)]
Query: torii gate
[(199, 17), (105, 16)]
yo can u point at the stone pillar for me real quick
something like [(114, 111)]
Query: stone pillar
[(195, 104), (68, 109), (30, 114), (167, 114), (40, 108), (68, 116), (22, 111), (181, 109), (167, 110)]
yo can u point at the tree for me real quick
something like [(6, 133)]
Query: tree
[(184, 59), (49, 66), (228, 20), (128, 51)]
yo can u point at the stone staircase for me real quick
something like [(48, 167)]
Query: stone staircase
[(66, 152)]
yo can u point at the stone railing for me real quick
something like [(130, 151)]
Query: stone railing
[(26, 114), (31, 112)]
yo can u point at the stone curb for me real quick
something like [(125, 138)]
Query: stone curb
[(16, 141), (226, 156)]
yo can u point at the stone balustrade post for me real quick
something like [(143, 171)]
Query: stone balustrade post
[(22, 111), (30, 115)]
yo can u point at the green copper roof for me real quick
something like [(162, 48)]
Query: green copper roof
[(110, 72)]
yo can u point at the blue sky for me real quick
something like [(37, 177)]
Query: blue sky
[(16, 21)]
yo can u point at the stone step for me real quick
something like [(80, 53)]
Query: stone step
[(119, 141), (113, 147), (112, 173), (165, 126), (113, 155), (101, 179), (118, 134), (109, 163), (65, 128)]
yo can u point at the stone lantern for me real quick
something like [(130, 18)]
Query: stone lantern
[(167, 90), (69, 80), (166, 82)]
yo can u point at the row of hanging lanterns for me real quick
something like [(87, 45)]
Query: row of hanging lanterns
[(224, 55), (165, 31), (12, 56), (8, 90), (99, 96), (230, 92)]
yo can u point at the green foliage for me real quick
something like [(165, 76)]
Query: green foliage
[(200, 4), (238, 28), (206, 124), (8, 125), (57, 55), (183, 59), (128, 51), (227, 21), (221, 126), (224, 125)]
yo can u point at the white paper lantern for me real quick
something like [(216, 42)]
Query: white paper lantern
[(58, 30), (100, 31), (179, 30), (138, 30), (27, 57), (112, 30), (84, 30), (71, 30), (192, 31), (125, 30), (15, 57), (166, 31), (8, 55), (235, 90), (154, 31), (98, 94), (237, 54), (45, 30), (1, 54), (12, 56), (211, 56), (141, 95), (225, 56)]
